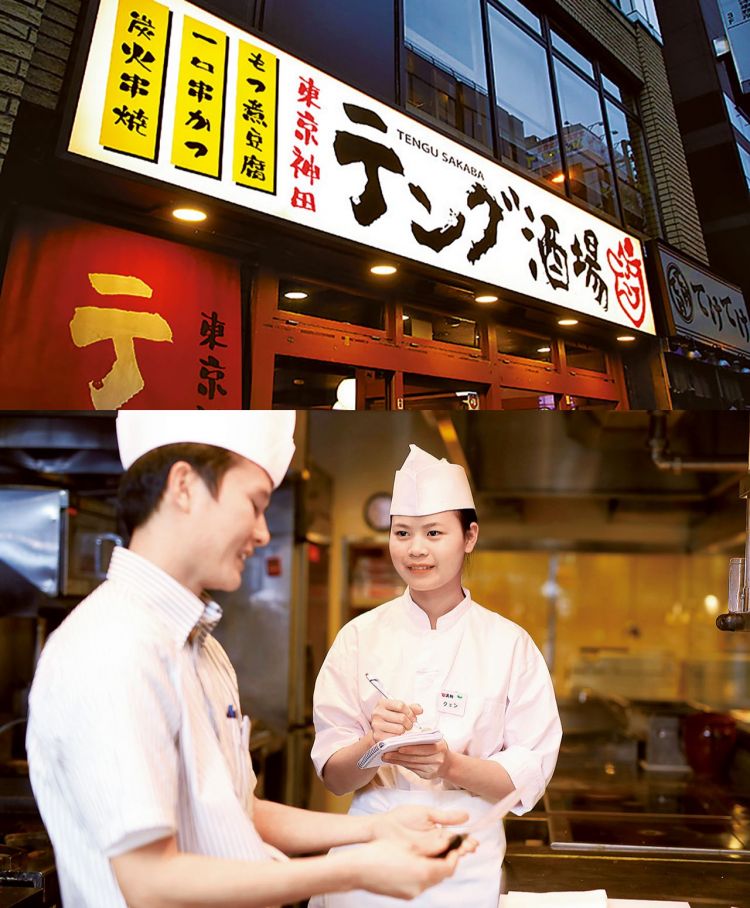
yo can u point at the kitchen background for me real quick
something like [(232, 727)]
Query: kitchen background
[(607, 535)]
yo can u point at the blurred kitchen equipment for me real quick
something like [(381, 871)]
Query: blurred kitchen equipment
[(663, 745), (59, 542), (709, 741), (275, 631), (738, 616)]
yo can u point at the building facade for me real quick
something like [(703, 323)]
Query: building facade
[(502, 165)]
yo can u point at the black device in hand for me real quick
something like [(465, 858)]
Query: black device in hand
[(455, 842)]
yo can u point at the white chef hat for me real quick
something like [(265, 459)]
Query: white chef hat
[(425, 485), (266, 437)]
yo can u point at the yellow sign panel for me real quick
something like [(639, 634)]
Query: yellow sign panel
[(255, 126), (199, 110), (135, 85)]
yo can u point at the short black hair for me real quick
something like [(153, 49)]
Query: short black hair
[(467, 516), (143, 483)]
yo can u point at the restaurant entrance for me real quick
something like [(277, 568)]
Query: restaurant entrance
[(414, 344)]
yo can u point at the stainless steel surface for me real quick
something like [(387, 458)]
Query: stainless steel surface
[(54, 541), (30, 534), (257, 623)]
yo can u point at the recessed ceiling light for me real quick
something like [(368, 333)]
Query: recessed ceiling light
[(626, 338), (189, 214), (560, 178), (298, 381), (295, 295), (544, 350), (485, 298), (405, 318), (567, 322), (383, 269)]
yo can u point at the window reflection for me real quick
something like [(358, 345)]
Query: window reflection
[(445, 64), (331, 303), (446, 328), (585, 140), (631, 168), (513, 342), (525, 114), (515, 6)]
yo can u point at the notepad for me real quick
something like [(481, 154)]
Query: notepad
[(373, 757)]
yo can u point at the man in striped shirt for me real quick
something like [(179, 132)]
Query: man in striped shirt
[(138, 751)]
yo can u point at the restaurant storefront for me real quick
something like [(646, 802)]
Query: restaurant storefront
[(349, 256), (707, 333)]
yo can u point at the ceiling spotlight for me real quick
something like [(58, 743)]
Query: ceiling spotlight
[(383, 269), (194, 215), (405, 318), (560, 178), (485, 298), (626, 338), (544, 350), (567, 322), (295, 295)]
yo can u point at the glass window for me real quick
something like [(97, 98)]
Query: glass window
[(513, 342), (586, 149), (576, 58), (579, 356), (330, 303), (515, 6), (745, 161), (423, 392), (447, 79), (525, 115), (631, 167), (613, 89), (446, 328), (309, 385)]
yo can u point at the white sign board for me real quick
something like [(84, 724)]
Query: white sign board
[(736, 17), (249, 124), (703, 306)]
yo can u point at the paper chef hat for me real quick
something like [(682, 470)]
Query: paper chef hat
[(425, 485), (264, 436)]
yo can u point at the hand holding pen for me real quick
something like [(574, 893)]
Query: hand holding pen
[(391, 717)]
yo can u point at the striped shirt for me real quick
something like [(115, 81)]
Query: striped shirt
[(135, 733)]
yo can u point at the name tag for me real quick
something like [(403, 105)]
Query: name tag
[(452, 703)]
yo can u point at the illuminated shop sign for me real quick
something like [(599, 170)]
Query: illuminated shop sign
[(702, 306), (195, 102), (736, 17)]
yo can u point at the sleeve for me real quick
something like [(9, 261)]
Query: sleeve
[(337, 710), (118, 749), (532, 730)]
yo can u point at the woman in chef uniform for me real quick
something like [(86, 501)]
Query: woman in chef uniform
[(445, 663)]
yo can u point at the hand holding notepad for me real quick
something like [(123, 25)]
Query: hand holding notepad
[(373, 757)]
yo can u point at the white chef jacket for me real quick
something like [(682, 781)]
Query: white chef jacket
[(135, 733), (478, 677)]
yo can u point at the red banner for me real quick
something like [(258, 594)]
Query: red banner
[(95, 317)]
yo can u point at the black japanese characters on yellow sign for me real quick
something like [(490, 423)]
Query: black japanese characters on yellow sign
[(255, 127), (199, 109), (135, 85)]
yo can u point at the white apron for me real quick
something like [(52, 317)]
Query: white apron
[(476, 882)]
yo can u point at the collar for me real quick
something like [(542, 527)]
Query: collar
[(186, 615), (420, 619)]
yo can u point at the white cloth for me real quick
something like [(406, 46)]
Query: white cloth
[(489, 665), (266, 437), (592, 898), (425, 485), (129, 739)]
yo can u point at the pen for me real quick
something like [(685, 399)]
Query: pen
[(378, 685)]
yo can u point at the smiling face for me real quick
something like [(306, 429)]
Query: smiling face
[(428, 552), (230, 526)]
